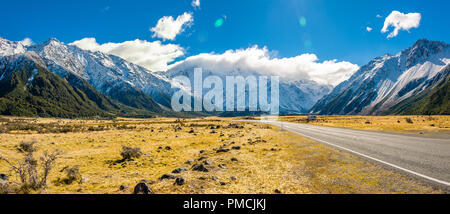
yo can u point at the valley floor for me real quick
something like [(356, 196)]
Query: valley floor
[(269, 160), (421, 124)]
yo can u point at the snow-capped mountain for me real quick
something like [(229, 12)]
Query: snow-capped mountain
[(8, 48), (387, 81), (294, 96), (120, 79), (109, 74), (28, 88)]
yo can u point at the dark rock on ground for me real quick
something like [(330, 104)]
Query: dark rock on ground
[(179, 170), (166, 176), (277, 191), (4, 177), (180, 181), (200, 168), (223, 166), (207, 162), (189, 161), (233, 178), (142, 188), (223, 150), (202, 158), (234, 159), (123, 187), (236, 147)]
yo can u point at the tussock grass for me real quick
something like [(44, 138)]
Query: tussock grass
[(406, 124), (268, 159)]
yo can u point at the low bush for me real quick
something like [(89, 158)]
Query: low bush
[(128, 153)]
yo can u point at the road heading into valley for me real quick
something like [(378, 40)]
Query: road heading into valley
[(421, 156)]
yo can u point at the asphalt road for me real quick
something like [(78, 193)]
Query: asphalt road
[(424, 157)]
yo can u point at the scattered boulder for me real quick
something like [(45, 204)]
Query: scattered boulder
[(222, 150), (234, 159), (233, 178), (123, 187), (202, 158), (142, 188), (207, 162), (200, 168), (213, 132), (191, 131), (166, 176), (168, 148), (214, 178), (4, 181), (179, 181), (277, 191), (4, 177), (179, 170), (236, 147), (222, 183), (189, 161), (222, 166), (202, 151)]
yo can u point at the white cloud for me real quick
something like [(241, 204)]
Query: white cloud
[(368, 29), (400, 21), (259, 60), (27, 42), (151, 55), (195, 3), (379, 16), (167, 28)]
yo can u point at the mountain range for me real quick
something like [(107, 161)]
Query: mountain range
[(414, 81), (61, 80)]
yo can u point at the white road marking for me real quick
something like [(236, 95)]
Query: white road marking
[(372, 158)]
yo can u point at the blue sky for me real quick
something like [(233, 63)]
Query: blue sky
[(331, 29)]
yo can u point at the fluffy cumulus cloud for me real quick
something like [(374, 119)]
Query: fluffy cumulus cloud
[(151, 55), (259, 60), (168, 28), (400, 21), (369, 29), (195, 3)]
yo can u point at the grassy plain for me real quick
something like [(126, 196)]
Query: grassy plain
[(269, 160), (403, 124)]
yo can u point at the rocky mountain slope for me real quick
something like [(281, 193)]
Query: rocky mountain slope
[(393, 83), (28, 88)]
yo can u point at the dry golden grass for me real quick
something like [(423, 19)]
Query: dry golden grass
[(406, 124), (269, 159)]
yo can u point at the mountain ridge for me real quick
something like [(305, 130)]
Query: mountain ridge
[(386, 81)]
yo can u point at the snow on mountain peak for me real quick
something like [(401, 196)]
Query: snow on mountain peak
[(387, 80)]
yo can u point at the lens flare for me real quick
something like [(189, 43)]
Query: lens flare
[(307, 44), (302, 21), (219, 22)]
